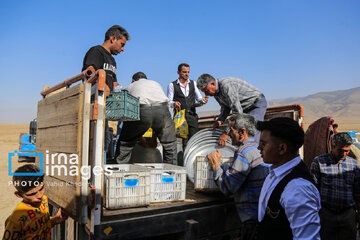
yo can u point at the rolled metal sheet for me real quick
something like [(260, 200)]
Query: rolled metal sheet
[(205, 135), (227, 151), (197, 142), (201, 144), (205, 131)]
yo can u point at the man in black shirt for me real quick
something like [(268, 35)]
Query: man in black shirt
[(100, 57)]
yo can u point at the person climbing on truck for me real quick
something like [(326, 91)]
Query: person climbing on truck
[(236, 95), (99, 57)]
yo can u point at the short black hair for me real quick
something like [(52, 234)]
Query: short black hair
[(138, 76), (26, 183), (118, 32), (285, 129), (182, 65), (342, 138)]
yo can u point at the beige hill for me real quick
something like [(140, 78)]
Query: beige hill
[(343, 105)]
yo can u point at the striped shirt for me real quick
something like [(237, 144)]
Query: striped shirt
[(236, 95), (338, 182), (243, 179)]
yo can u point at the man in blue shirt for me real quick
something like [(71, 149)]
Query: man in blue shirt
[(289, 202), (337, 177), (246, 174)]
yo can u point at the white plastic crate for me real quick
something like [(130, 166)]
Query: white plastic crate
[(204, 174), (168, 182), (128, 186)]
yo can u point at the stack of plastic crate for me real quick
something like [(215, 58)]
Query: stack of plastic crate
[(168, 182), (126, 185), (122, 106), (204, 174)]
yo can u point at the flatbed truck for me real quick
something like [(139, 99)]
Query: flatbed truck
[(72, 122)]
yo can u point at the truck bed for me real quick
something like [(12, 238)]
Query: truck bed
[(193, 199), (201, 215)]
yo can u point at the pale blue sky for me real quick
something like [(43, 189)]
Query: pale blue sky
[(287, 48)]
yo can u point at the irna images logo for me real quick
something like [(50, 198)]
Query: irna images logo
[(23, 154), (60, 164)]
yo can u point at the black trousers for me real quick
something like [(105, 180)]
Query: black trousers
[(337, 225), (248, 230), (192, 121), (159, 119)]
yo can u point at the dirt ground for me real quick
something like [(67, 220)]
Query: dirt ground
[(9, 141)]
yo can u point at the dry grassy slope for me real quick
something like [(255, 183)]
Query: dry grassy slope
[(344, 105)]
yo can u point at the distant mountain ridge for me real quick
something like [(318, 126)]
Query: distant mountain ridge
[(343, 105)]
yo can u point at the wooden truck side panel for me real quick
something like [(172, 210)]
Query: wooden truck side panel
[(59, 130)]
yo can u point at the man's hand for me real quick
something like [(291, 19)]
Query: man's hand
[(59, 217), (177, 105), (214, 159), (216, 125), (205, 99), (222, 139)]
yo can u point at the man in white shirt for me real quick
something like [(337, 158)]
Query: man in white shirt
[(155, 114), (289, 202), (184, 94)]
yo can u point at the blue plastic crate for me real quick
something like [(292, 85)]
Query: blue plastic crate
[(122, 106)]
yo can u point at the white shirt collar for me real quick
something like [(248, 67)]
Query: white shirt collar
[(278, 171), (178, 82)]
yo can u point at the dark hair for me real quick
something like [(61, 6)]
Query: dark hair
[(243, 120), (26, 183), (342, 138), (204, 80), (182, 65), (138, 76), (285, 129), (116, 31)]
